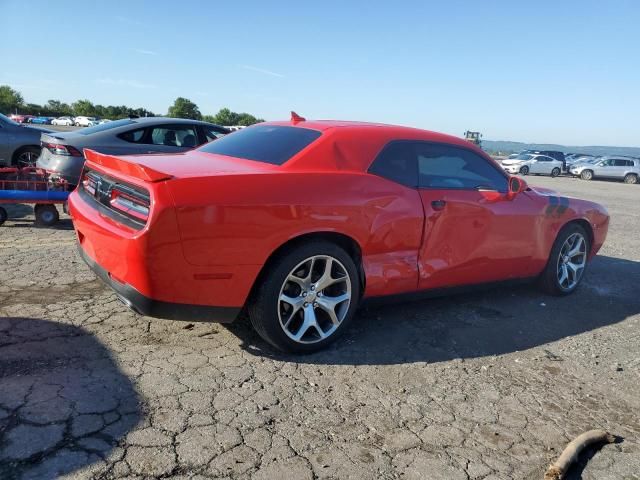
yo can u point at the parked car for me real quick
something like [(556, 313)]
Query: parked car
[(19, 143), (531, 163), (578, 158), (41, 120), (62, 152), (619, 168), (82, 121), (66, 121), (18, 118), (300, 221)]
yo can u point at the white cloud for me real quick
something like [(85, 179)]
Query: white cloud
[(261, 70), (121, 82)]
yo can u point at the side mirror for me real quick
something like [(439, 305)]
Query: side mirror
[(516, 185)]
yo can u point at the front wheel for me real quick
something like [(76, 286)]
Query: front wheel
[(586, 175), (307, 297), (524, 170), (555, 172), (631, 178), (567, 261)]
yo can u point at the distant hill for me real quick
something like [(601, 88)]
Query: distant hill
[(513, 147)]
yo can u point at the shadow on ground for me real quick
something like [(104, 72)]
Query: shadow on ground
[(481, 324), (64, 403)]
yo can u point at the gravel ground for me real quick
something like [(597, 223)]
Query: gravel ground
[(484, 386)]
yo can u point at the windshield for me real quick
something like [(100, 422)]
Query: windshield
[(4, 118), (105, 126), (265, 143), (524, 156)]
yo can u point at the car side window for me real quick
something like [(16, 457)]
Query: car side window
[(449, 167), (132, 136), (174, 136), (397, 162)]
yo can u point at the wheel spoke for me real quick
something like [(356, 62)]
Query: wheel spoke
[(296, 304), (309, 322), (329, 304), (576, 248), (564, 275)]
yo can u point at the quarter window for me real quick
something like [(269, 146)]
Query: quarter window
[(133, 136), (213, 134), (174, 136), (397, 162), (448, 167)]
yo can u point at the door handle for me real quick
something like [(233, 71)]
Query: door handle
[(438, 204)]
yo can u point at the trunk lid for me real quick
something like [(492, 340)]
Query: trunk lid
[(157, 167)]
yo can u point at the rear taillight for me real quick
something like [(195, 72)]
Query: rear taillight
[(89, 183), (130, 202), (59, 149)]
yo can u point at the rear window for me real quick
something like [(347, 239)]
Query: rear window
[(105, 126), (273, 144)]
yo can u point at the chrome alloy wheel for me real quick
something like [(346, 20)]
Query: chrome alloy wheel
[(314, 299), (571, 261), (27, 159)]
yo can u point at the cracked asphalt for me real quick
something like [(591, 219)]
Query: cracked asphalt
[(487, 385)]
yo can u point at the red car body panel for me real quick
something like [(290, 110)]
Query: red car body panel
[(214, 221)]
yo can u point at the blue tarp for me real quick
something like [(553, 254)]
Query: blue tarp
[(32, 196)]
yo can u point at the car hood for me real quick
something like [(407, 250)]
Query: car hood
[(513, 161)]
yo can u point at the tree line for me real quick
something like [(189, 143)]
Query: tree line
[(12, 101)]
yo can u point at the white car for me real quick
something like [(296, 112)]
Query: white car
[(66, 121), (527, 163), (86, 121)]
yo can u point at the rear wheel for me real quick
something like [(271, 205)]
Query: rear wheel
[(26, 157), (524, 170), (567, 261), (46, 215), (586, 175), (631, 178), (555, 172), (3, 215), (307, 298)]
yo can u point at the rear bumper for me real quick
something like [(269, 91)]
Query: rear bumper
[(143, 305)]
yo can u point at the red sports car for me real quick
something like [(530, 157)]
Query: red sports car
[(300, 221)]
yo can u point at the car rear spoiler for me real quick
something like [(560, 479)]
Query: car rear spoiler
[(119, 164)]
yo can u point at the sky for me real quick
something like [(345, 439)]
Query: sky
[(563, 72)]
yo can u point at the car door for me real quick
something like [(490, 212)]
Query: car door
[(536, 165), (474, 232), (604, 168)]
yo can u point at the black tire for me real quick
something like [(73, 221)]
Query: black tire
[(586, 175), (3, 215), (549, 281), (25, 156), (524, 170), (46, 215), (631, 178), (555, 172), (264, 306)]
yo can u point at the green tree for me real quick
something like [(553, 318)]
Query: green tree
[(10, 99), (57, 108), (184, 108), (84, 108), (228, 118)]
